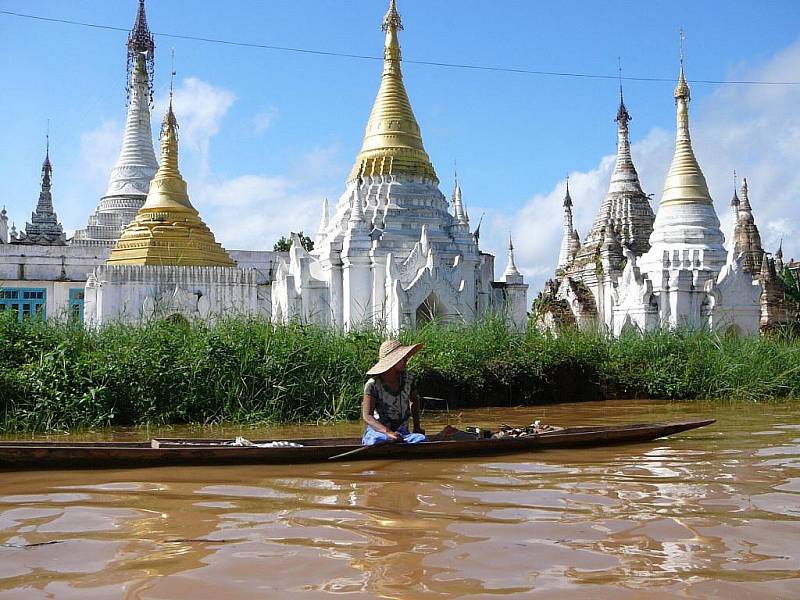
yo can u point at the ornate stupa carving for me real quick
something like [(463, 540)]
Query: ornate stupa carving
[(625, 207), (746, 238), (136, 165), (44, 228), (168, 230), (625, 204)]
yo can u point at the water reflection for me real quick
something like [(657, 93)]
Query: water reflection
[(708, 513)]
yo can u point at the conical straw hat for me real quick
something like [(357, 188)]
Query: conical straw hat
[(391, 353)]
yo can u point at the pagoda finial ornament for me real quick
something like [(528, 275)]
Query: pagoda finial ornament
[(47, 172), (565, 253), (624, 177), (459, 212), (392, 140), (511, 274), (357, 219), (141, 50), (735, 199), (567, 197), (392, 19), (168, 230), (325, 212), (745, 201), (3, 225), (622, 114), (685, 181), (682, 88)]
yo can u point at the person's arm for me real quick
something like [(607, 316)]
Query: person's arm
[(368, 414), (414, 401)]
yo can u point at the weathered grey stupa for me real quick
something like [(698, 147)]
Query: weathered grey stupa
[(746, 238), (625, 205), (136, 165), (44, 228)]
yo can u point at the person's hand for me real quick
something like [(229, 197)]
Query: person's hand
[(394, 436)]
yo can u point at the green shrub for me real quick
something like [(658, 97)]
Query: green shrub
[(57, 376)]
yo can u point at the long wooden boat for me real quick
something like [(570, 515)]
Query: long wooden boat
[(34, 455)]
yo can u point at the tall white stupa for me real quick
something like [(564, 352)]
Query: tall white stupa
[(130, 179)]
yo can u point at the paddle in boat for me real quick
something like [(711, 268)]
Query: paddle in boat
[(449, 443)]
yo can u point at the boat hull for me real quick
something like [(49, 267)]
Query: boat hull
[(32, 455)]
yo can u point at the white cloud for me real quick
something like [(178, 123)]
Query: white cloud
[(753, 129), (264, 119), (252, 211), (200, 108), (98, 153)]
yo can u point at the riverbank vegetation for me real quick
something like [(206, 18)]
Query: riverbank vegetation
[(58, 376)]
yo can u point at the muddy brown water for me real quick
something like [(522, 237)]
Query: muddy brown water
[(711, 513)]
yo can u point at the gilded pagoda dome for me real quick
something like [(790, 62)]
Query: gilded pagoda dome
[(167, 229), (392, 140)]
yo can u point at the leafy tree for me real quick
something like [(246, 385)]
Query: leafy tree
[(792, 283), (283, 244)]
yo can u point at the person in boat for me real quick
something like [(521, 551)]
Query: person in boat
[(390, 398)]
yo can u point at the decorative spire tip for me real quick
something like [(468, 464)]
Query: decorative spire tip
[(172, 79), (567, 197), (682, 89), (392, 20)]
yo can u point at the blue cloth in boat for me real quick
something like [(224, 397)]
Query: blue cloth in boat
[(373, 437)]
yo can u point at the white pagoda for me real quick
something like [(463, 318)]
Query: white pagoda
[(393, 254), (136, 165)]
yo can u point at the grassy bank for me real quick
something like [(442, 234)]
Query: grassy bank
[(57, 376)]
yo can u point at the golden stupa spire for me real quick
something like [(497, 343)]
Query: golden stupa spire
[(392, 141), (168, 230), (685, 181)]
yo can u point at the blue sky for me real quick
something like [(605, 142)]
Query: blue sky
[(268, 134)]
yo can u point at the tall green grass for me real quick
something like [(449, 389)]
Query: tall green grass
[(58, 376)]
